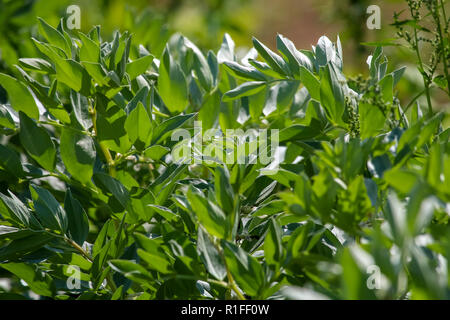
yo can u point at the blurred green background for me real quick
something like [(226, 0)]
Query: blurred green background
[(205, 21)]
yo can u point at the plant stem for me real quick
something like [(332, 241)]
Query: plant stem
[(59, 125), (231, 283), (109, 159), (444, 15), (441, 38), (422, 71), (77, 247), (158, 113), (110, 282)]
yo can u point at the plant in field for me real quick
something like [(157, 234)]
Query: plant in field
[(436, 69), (93, 205)]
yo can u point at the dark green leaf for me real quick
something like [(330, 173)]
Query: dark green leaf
[(37, 142)]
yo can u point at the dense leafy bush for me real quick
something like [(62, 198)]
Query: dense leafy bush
[(89, 179)]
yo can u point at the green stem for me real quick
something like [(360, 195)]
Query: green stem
[(110, 282), (425, 80), (86, 255), (231, 283), (158, 113), (441, 38), (444, 15), (77, 247), (59, 125)]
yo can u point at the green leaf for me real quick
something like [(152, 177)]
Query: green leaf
[(429, 129), (310, 82), (37, 65), (109, 185), (299, 132), (165, 184), (12, 233), (164, 212), (210, 256), (299, 239), (155, 261), (273, 246), (73, 74), (89, 51), (331, 93), (256, 103), (371, 119), (111, 130), (131, 270), (270, 208), (156, 152), (17, 212), (295, 58), (102, 237), (97, 72), (18, 248), (209, 215), (402, 180), (280, 96), (355, 262), (209, 112), (138, 207), (387, 88), (420, 210), (161, 132), (283, 176), (53, 36), (47, 96), (200, 66), (81, 109), (172, 85), (152, 254), (226, 52), (245, 269), (274, 60), (68, 71), (213, 67), (397, 74), (78, 224), (6, 119), (324, 51), (244, 90), (37, 142), (10, 161), (139, 66), (78, 154), (38, 281), (224, 190), (139, 126), (242, 72), (48, 209), (141, 96), (395, 213), (19, 96)]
